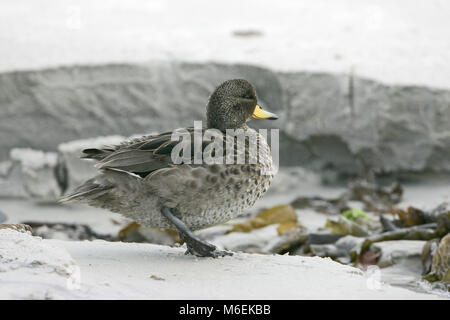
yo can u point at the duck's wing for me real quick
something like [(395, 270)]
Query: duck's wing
[(140, 156), (136, 143)]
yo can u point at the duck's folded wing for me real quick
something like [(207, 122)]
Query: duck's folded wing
[(142, 143), (140, 156), (140, 162)]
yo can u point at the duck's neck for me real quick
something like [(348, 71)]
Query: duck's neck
[(224, 127), (244, 127)]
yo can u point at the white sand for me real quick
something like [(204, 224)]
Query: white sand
[(35, 268)]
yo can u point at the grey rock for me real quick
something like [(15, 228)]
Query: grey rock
[(428, 251), (332, 123), (346, 249), (37, 172), (400, 262), (441, 261), (319, 118), (323, 238), (351, 123), (400, 251), (11, 180)]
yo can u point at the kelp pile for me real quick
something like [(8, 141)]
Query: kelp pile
[(349, 234)]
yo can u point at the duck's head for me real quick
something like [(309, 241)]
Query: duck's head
[(232, 104)]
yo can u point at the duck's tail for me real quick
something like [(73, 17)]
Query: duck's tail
[(96, 154), (87, 191)]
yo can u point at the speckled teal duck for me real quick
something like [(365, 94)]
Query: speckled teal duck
[(139, 179)]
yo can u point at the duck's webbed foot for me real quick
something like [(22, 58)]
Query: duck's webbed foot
[(195, 245), (200, 248)]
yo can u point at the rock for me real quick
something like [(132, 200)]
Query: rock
[(443, 221), (329, 122), (351, 123), (400, 261), (428, 251), (345, 250), (440, 267), (323, 237), (400, 251), (422, 232), (79, 170), (38, 173), (318, 108), (11, 180)]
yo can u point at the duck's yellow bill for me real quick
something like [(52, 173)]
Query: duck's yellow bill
[(262, 114)]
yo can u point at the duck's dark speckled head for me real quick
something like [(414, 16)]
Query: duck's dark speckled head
[(232, 104)]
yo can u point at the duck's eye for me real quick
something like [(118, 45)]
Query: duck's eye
[(247, 96)]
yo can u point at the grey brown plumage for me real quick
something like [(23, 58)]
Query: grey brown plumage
[(138, 177)]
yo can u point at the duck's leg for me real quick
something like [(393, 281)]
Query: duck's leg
[(194, 245)]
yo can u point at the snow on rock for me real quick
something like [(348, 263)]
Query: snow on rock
[(79, 170), (11, 180), (36, 174), (31, 268)]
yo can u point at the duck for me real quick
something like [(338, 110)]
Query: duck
[(141, 178)]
